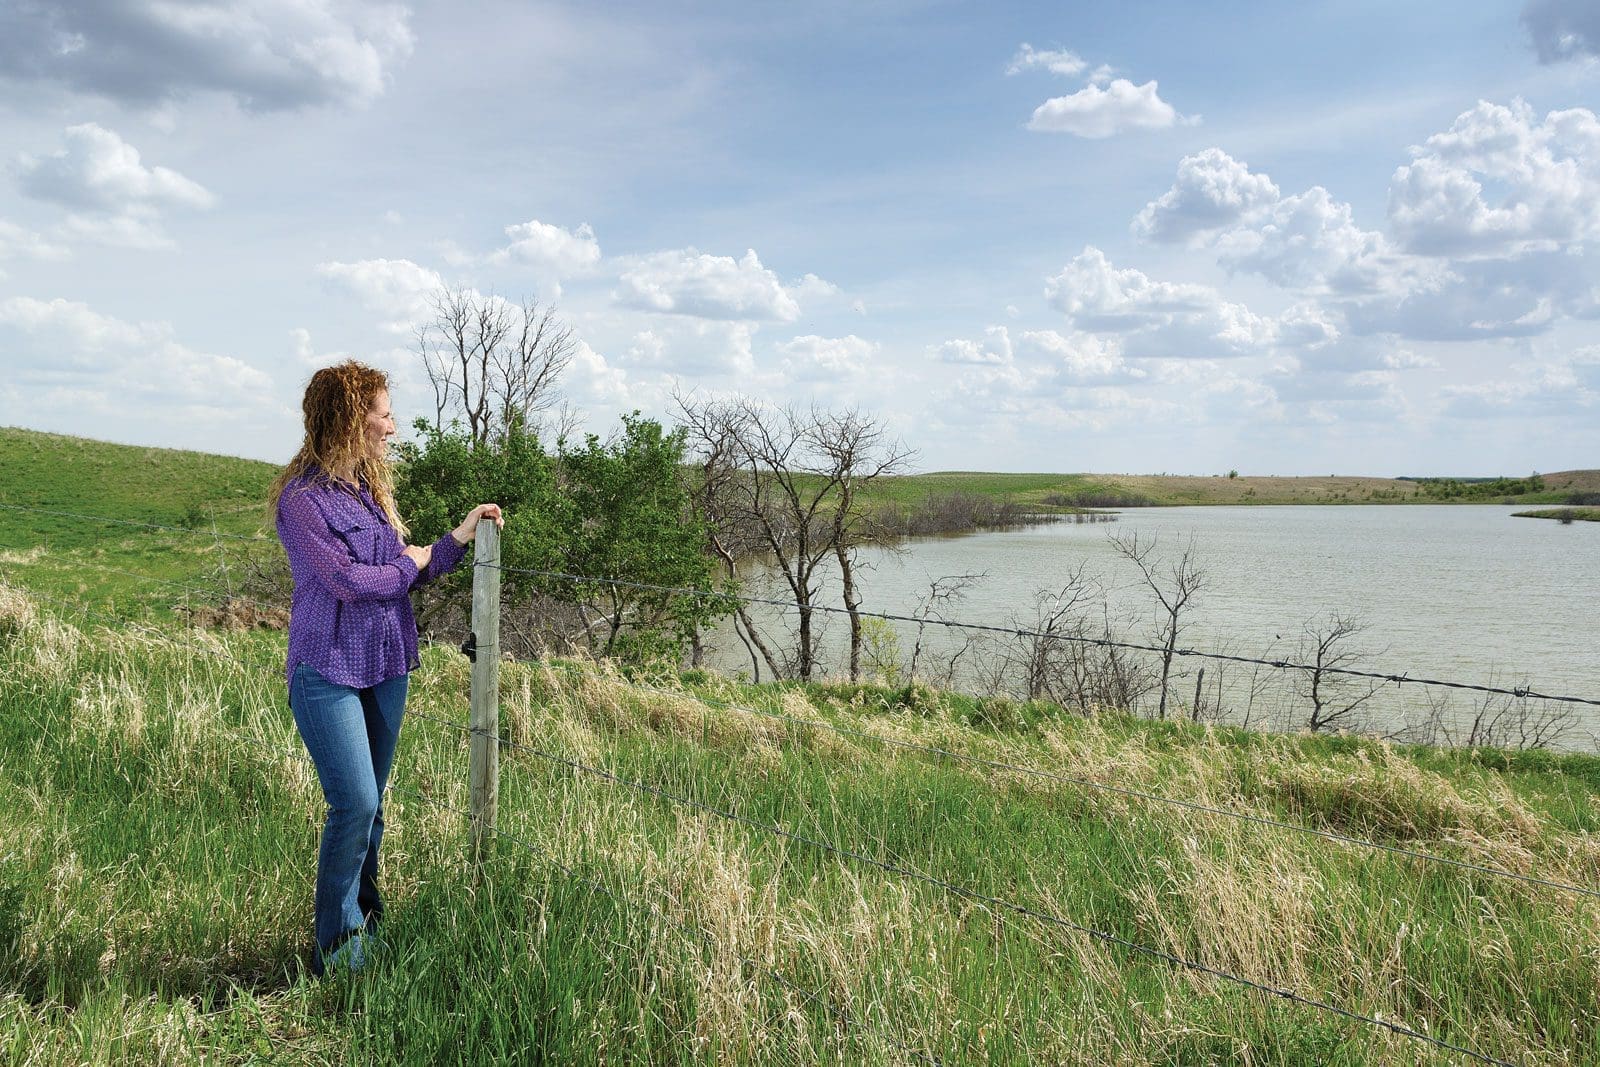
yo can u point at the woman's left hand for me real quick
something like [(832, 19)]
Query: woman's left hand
[(468, 530)]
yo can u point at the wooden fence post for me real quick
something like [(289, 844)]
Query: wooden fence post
[(485, 760)]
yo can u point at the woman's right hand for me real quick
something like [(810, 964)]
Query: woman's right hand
[(419, 554)]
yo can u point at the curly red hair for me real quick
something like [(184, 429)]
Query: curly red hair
[(335, 405)]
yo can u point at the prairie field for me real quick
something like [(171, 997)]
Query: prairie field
[(161, 821), (690, 869)]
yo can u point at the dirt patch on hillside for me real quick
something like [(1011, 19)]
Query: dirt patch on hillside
[(1570, 481)]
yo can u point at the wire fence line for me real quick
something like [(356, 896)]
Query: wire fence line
[(1023, 910), (966, 893), (1014, 631), (952, 888), (1089, 783), (303, 757), (1404, 678), (943, 753)]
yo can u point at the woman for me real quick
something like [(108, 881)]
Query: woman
[(352, 637)]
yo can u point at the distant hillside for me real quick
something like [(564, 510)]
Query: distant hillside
[(159, 485), (1574, 481), (171, 486), (1143, 490), (108, 566)]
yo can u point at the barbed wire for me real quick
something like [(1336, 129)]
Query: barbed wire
[(131, 522), (1013, 631), (1025, 910), (300, 755), (944, 753), (1089, 783), (842, 852), (1517, 692)]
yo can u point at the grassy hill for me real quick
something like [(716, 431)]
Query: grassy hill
[(122, 567), (158, 485), (160, 822)]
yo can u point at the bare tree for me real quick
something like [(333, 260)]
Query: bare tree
[(1173, 589), (1053, 663), (788, 483), (1494, 720), (492, 363), (724, 497), (855, 450), (942, 594), (1325, 651)]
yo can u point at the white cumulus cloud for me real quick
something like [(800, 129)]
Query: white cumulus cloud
[(994, 350), (556, 251), (397, 289), (114, 197), (1093, 291), (1100, 111), (592, 380), (1500, 181), (1067, 64), (98, 170), (1156, 319), (1079, 357), (814, 357), (688, 282), (64, 352), (1565, 385), (1213, 191), (1311, 241), (1307, 241)]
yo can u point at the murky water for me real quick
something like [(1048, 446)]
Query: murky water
[(1467, 594)]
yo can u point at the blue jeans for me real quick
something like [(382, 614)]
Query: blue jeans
[(351, 735)]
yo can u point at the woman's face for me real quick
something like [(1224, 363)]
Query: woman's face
[(379, 426)]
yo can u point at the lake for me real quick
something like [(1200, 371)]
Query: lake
[(1461, 593)]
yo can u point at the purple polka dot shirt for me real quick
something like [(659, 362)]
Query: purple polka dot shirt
[(350, 617)]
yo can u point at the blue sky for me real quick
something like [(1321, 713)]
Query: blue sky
[(1293, 239)]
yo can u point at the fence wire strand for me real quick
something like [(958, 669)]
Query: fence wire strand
[(845, 853), (1025, 910), (1089, 783), (841, 1013), (1014, 631), (1406, 678)]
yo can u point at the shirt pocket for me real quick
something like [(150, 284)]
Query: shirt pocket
[(364, 535)]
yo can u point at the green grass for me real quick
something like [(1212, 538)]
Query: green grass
[(160, 832), (86, 561), (155, 485)]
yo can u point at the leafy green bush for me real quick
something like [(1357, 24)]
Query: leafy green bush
[(611, 512)]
